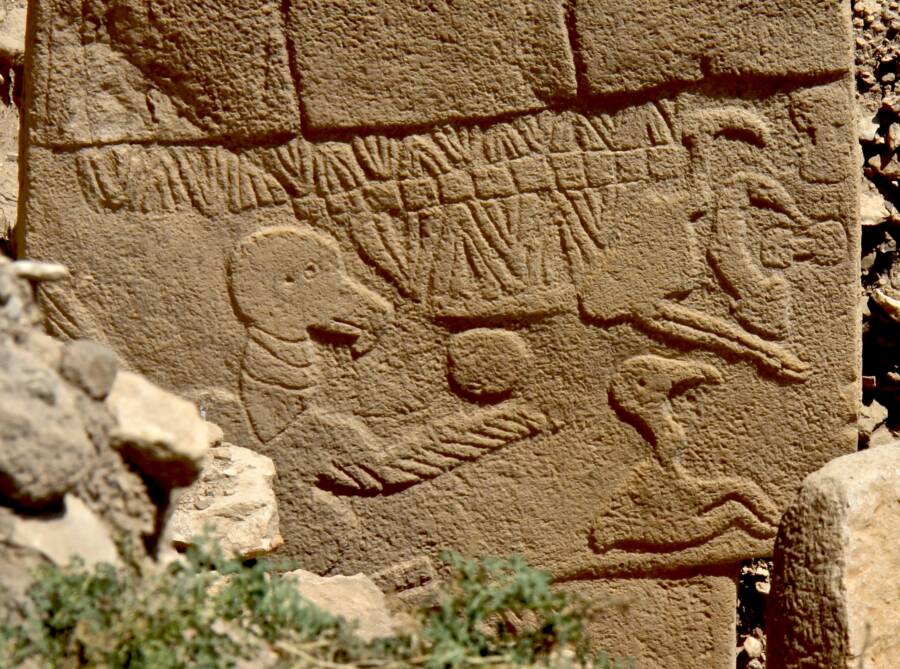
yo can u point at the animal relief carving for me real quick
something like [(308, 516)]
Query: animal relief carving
[(661, 507)]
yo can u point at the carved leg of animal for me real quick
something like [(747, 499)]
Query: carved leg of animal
[(675, 320), (665, 508), (717, 492), (360, 466)]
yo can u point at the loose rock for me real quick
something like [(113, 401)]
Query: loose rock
[(160, 433), (835, 587), (236, 499), (77, 532), (45, 450), (355, 598), (90, 366)]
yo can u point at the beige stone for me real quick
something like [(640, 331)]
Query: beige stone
[(74, 533), (371, 63), (44, 448), (12, 55), (234, 498), (356, 599), (835, 588), (160, 433), (118, 71), (473, 305), (629, 47)]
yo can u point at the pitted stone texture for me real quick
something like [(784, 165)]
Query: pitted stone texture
[(367, 63), (835, 588), (234, 498), (664, 628), (629, 47), (90, 366), (613, 334), (159, 70), (44, 450)]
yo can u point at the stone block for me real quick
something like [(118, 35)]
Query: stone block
[(835, 588), (488, 321), (375, 63), (120, 71), (630, 47)]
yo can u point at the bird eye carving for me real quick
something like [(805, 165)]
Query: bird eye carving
[(311, 270)]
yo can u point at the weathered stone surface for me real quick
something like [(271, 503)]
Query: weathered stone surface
[(120, 498), (235, 497), (161, 433), (354, 598), (613, 334), (19, 315), (835, 588), (75, 532), (630, 47), (44, 449), (656, 621), (90, 366), (383, 63), (166, 69)]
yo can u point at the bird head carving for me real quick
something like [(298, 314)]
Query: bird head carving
[(642, 388)]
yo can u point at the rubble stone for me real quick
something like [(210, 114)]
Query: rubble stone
[(355, 598), (835, 588), (44, 450), (235, 497), (90, 366), (75, 532), (160, 433)]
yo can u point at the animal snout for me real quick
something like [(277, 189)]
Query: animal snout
[(358, 313)]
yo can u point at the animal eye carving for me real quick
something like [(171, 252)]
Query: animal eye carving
[(311, 270)]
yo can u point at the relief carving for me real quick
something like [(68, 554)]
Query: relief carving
[(661, 507), (287, 282), (509, 223), (574, 279)]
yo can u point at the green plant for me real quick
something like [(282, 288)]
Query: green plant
[(207, 612), (494, 607)]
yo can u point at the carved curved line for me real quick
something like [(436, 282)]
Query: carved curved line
[(700, 328), (716, 525)]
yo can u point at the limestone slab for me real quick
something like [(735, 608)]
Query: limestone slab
[(124, 70), (613, 335), (629, 47), (366, 63), (835, 591)]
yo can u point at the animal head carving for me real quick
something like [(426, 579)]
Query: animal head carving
[(643, 386), (287, 281)]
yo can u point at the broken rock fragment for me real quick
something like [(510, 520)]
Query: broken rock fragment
[(235, 498), (355, 598), (90, 366), (44, 449), (160, 433), (835, 587), (76, 532)]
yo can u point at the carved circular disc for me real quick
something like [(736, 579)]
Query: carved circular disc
[(486, 362)]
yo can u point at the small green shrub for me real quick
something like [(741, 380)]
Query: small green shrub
[(207, 612)]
